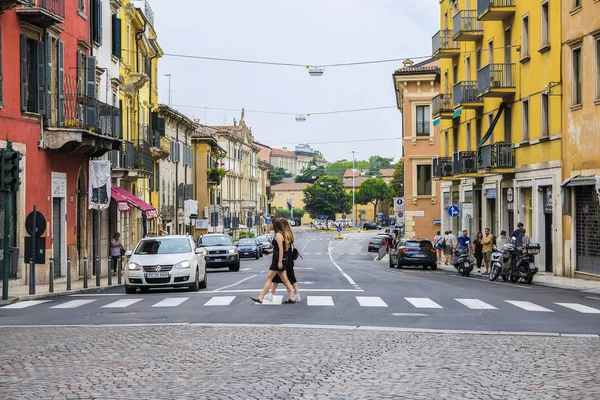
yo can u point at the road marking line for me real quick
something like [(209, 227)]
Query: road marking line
[(24, 304), (365, 301), (593, 298), (74, 304), (401, 314), (528, 306), (245, 269), (476, 304), (171, 302), (122, 303), (237, 283), (422, 302), (301, 268), (220, 301), (317, 254), (319, 300), (277, 300), (580, 307)]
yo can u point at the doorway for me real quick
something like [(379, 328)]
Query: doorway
[(548, 244), (57, 232)]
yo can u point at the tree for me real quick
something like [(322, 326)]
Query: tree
[(282, 212), (328, 197), (307, 174), (277, 175), (299, 213), (397, 183), (338, 168), (377, 162), (374, 191)]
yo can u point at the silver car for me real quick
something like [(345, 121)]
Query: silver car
[(165, 261)]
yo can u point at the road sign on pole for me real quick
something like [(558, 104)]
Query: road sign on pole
[(398, 204), (454, 211), (400, 217)]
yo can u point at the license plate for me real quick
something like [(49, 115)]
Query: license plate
[(157, 275), (246, 254), (419, 255)]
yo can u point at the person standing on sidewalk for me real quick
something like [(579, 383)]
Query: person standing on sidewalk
[(488, 243), (116, 248)]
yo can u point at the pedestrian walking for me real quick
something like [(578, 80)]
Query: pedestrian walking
[(453, 242), (488, 242), (116, 251), (447, 247), (437, 244), (289, 269), (281, 247), (478, 250)]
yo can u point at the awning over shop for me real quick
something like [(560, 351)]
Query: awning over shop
[(122, 203), (579, 181), (121, 195)]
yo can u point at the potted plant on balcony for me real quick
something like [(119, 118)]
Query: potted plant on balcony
[(215, 175)]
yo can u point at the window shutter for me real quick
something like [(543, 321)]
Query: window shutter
[(178, 151), (99, 18), (157, 176), (23, 73), (48, 76), (91, 116), (161, 126), (116, 36), (61, 83), (41, 77), (1, 92), (79, 72)]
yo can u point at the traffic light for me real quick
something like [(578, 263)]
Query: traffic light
[(10, 164)]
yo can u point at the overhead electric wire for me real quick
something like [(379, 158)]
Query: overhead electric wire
[(338, 141), (289, 113)]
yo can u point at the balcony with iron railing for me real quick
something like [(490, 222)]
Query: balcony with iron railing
[(466, 95), (465, 162), (123, 158), (442, 167), (466, 27), (495, 10), (167, 213), (497, 156), (42, 13), (442, 106), (143, 154), (443, 45), (496, 80)]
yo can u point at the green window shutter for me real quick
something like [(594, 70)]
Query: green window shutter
[(40, 77), (24, 73), (48, 76), (90, 114), (157, 176), (161, 126), (116, 36), (1, 91), (61, 83)]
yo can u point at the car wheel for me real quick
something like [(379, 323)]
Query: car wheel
[(504, 278), (204, 283), (433, 267), (424, 267), (235, 267), (399, 266), (130, 289), (391, 263), (196, 285), (257, 255)]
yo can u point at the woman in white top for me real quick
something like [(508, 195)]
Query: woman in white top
[(437, 243), (115, 251)]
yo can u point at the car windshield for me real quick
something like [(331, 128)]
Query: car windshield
[(263, 239), (377, 240), (163, 246), (214, 241), (422, 244), (247, 242)]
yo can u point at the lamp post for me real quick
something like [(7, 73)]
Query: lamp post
[(353, 190), (169, 76)]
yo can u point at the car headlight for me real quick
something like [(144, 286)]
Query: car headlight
[(233, 251), (134, 267), (183, 265)]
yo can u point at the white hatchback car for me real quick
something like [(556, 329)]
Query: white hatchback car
[(165, 261)]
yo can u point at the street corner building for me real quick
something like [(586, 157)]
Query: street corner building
[(417, 88), (78, 82), (499, 116)]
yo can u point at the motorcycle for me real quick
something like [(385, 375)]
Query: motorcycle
[(525, 269), (463, 260), (500, 263)]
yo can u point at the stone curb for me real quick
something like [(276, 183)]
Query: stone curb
[(59, 293)]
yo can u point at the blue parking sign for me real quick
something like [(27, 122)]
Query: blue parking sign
[(339, 229)]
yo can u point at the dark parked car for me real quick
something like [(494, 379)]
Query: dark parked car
[(414, 252), (370, 226), (376, 242), (265, 242), (221, 252), (249, 248)]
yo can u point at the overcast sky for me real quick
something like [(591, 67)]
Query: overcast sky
[(311, 32)]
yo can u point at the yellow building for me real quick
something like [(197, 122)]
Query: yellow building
[(499, 115), (292, 192)]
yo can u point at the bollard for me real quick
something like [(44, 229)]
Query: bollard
[(51, 277), (85, 266), (120, 269), (31, 277), (68, 273), (109, 271), (98, 270)]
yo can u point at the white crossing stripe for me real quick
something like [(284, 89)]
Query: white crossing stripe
[(422, 302), (220, 301), (580, 307), (277, 300), (74, 304), (476, 304), (528, 306), (365, 301), (121, 303), (319, 300), (25, 304), (171, 302)]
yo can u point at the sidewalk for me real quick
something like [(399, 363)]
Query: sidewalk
[(21, 292)]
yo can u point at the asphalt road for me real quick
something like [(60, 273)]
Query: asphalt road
[(340, 284)]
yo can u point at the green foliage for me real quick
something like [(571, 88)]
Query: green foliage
[(277, 175), (320, 199), (282, 212), (374, 191), (377, 162), (397, 183), (307, 173), (338, 168), (299, 213), (215, 174), (245, 235)]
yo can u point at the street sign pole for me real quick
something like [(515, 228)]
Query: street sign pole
[(33, 250), (6, 263)]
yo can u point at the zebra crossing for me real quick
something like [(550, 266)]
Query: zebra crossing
[(419, 303)]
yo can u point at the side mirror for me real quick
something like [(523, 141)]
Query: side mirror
[(128, 253), (236, 243), (201, 251)]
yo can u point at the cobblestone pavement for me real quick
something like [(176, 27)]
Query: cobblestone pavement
[(199, 362)]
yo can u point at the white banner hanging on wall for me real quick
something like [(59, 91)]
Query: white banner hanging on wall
[(99, 187)]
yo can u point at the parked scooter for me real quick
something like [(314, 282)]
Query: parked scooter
[(500, 262), (463, 260), (525, 269)]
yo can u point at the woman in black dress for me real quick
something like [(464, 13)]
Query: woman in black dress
[(478, 250), (289, 269), (281, 255)]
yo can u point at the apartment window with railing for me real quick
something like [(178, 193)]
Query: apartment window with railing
[(455, 138), (423, 122), (525, 120), (576, 76), (545, 114), (545, 26), (525, 38)]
